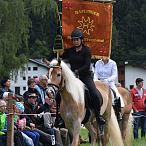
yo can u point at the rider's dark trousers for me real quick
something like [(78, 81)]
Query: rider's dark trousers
[(96, 97)]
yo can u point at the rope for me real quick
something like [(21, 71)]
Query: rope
[(48, 113)]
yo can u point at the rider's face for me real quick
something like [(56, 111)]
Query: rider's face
[(76, 42)]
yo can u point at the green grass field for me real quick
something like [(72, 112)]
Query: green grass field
[(84, 135)]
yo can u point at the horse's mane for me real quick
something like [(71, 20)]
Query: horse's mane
[(73, 85)]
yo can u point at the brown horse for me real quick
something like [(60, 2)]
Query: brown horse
[(72, 107), (127, 119)]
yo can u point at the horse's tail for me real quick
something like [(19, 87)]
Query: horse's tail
[(115, 133), (129, 131)]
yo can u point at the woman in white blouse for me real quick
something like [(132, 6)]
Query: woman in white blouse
[(106, 71)]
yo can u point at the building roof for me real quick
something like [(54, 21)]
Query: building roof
[(39, 62)]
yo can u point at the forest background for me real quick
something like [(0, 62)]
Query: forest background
[(28, 29)]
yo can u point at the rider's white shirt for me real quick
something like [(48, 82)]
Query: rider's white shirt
[(106, 71)]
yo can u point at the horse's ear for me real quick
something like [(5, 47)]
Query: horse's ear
[(46, 61), (59, 61)]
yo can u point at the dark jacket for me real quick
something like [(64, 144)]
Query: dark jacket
[(79, 60), (35, 109)]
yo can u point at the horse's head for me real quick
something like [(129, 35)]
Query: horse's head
[(55, 71)]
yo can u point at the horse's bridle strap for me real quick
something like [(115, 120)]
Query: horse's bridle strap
[(52, 89), (54, 66)]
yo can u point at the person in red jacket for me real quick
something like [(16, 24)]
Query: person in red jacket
[(138, 94)]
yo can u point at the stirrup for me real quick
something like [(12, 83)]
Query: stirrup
[(119, 116), (101, 129), (100, 120)]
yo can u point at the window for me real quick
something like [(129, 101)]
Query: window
[(24, 78), (29, 77), (17, 90), (35, 68), (29, 68), (24, 88)]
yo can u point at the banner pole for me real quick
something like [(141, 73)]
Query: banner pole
[(58, 45)]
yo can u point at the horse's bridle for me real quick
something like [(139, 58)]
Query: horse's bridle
[(61, 85), (53, 90)]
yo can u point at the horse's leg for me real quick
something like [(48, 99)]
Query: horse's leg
[(75, 133), (124, 125), (105, 138), (127, 129), (92, 132), (115, 133)]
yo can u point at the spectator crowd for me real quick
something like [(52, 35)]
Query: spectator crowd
[(35, 121), (34, 116)]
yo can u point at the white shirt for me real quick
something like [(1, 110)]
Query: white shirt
[(106, 71)]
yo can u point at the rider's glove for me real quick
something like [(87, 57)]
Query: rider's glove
[(76, 72), (106, 81)]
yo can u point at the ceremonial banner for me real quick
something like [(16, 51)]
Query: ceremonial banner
[(93, 19)]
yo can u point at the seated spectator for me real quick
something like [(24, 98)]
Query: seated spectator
[(5, 88), (34, 121), (21, 125), (31, 88), (18, 138), (41, 88)]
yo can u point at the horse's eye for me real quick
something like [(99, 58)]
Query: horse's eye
[(58, 75)]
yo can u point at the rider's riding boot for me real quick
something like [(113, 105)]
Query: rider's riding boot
[(118, 109)]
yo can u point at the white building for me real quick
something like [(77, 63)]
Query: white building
[(33, 69), (133, 72), (128, 74)]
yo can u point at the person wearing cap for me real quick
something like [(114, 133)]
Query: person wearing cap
[(37, 122), (31, 137), (106, 71), (138, 95), (31, 88), (79, 57)]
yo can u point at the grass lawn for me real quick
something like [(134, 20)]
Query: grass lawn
[(84, 135)]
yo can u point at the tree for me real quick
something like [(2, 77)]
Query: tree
[(14, 28), (129, 19), (27, 29), (44, 28)]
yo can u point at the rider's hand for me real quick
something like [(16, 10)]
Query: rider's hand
[(106, 81), (76, 71)]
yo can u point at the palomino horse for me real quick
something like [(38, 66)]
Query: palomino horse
[(127, 119), (72, 106)]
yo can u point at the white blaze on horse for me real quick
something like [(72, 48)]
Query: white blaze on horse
[(73, 110)]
